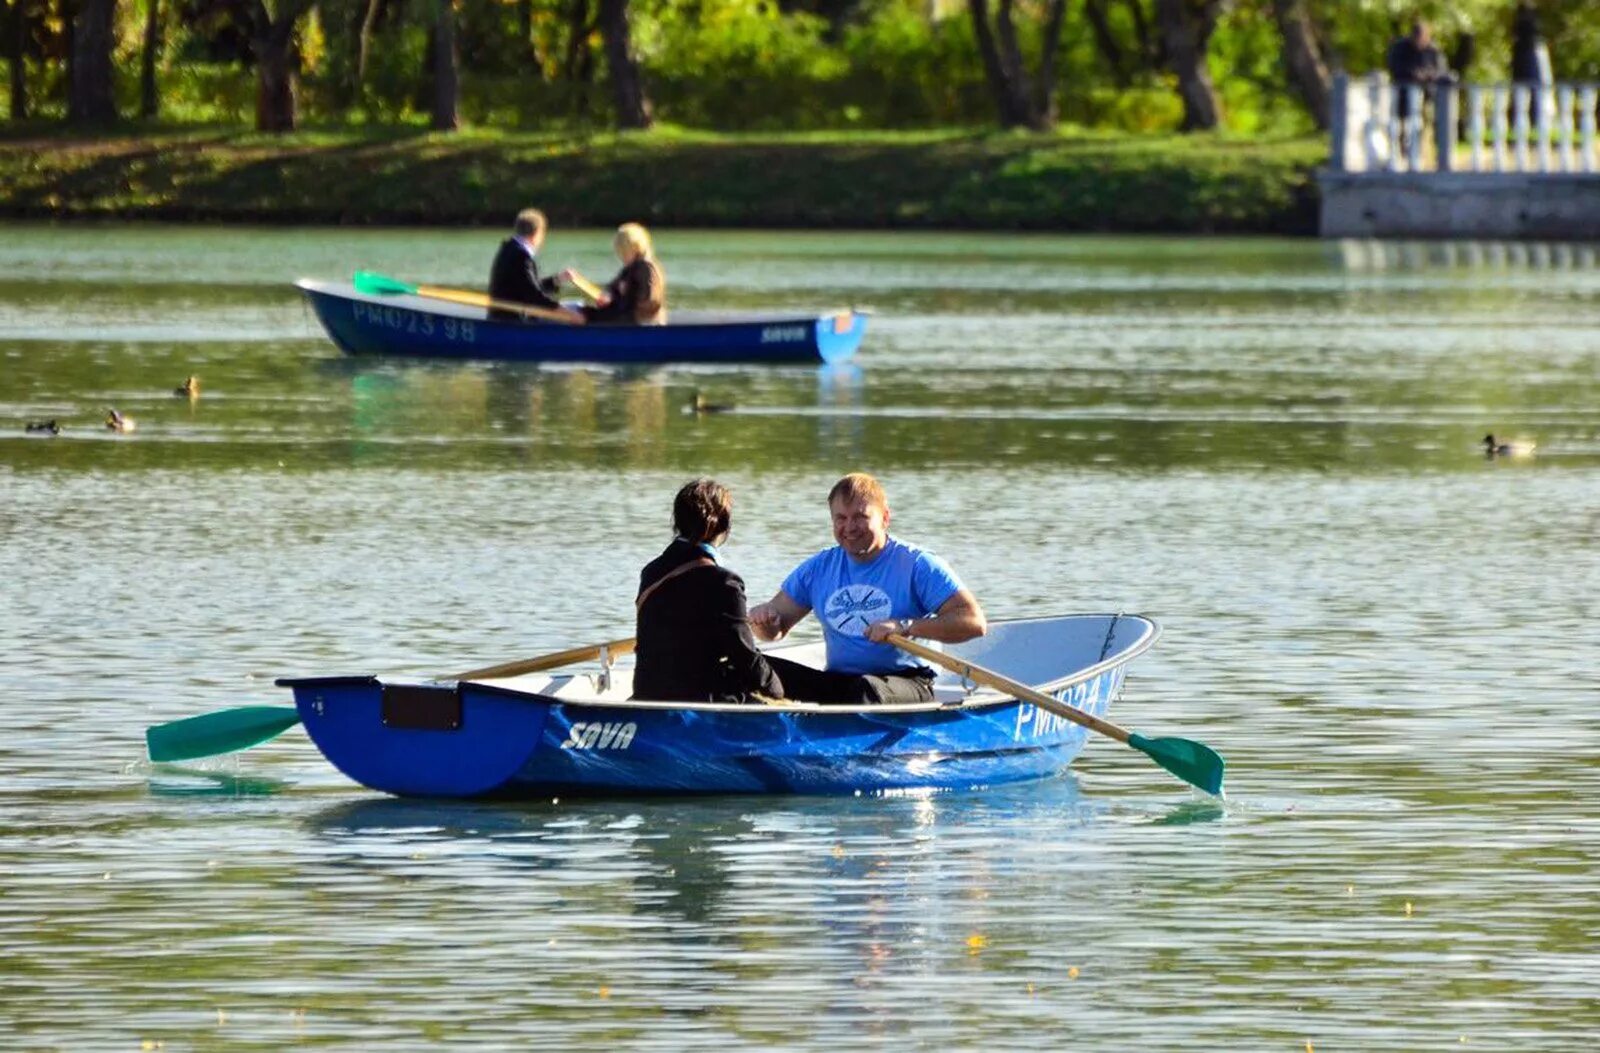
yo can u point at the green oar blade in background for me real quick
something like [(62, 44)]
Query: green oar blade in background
[(221, 732), (1193, 762), (374, 284)]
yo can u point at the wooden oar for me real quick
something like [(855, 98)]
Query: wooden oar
[(585, 286), (1193, 762), (228, 730), (381, 285), (548, 661)]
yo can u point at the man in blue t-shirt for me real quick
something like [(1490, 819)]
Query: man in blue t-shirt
[(864, 588)]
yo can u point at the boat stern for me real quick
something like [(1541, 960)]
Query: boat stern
[(423, 739), (839, 334)]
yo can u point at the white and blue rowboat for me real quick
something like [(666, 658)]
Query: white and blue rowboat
[(540, 735), (408, 325)]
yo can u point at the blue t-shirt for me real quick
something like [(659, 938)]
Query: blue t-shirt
[(903, 581)]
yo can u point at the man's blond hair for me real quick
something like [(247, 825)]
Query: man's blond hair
[(530, 223), (859, 486)]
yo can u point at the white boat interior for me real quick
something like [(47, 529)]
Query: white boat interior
[(1044, 653), (446, 308)]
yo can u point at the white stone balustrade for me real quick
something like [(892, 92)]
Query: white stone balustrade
[(1538, 128)]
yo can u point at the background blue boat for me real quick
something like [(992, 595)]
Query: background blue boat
[(543, 735), (403, 324)]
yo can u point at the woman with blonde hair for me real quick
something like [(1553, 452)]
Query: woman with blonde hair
[(638, 294)]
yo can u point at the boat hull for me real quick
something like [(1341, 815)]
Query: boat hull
[(469, 739), (412, 326)]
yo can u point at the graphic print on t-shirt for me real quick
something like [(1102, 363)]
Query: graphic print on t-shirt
[(854, 607)]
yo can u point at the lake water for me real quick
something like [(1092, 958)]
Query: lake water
[(1274, 447)]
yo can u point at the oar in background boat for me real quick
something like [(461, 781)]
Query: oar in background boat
[(1193, 762), (373, 284), (228, 730), (585, 286)]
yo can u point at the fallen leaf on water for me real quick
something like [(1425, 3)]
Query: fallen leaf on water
[(1072, 972)]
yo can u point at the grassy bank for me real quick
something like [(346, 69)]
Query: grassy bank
[(864, 180)]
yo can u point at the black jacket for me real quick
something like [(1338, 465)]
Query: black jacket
[(694, 643), (515, 277), (638, 296)]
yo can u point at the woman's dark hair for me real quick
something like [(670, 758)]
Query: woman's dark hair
[(702, 510)]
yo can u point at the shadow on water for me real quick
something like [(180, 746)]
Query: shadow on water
[(173, 781), (1192, 812)]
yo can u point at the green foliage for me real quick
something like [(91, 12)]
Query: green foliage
[(753, 65), (1099, 182), (741, 64), (209, 93), (906, 71)]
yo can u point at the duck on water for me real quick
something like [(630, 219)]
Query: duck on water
[(1509, 448)]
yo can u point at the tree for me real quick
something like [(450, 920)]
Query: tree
[(627, 84), (1302, 58), (89, 86), (1023, 101), (1186, 28), (149, 99), (446, 78), (272, 41), (16, 54)]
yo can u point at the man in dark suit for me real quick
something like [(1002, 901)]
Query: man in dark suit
[(515, 274)]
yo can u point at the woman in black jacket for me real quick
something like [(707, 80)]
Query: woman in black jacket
[(638, 294), (694, 639)]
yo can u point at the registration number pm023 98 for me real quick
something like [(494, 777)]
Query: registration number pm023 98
[(400, 320)]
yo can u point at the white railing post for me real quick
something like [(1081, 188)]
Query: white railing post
[(1444, 127), (1586, 103), (1413, 135), (1541, 119), (1380, 116), (1475, 125), (1564, 126), (1519, 124), (1501, 101)]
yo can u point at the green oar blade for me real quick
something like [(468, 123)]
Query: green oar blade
[(222, 732), (374, 284), (1195, 763)]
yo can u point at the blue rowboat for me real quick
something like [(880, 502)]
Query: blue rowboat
[(404, 324), (541, 735)]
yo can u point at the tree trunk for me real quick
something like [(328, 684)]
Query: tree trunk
[(89, 92), (369, 22), (446, 74), (1186, 27), (277, 64), (276, 81), (627, 85), (525, 28), (1045, 110), (1009, 96), (1106, 42), (1150, 46), (149, 99), (1023, 100), (1302, 57), (17, 53)]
